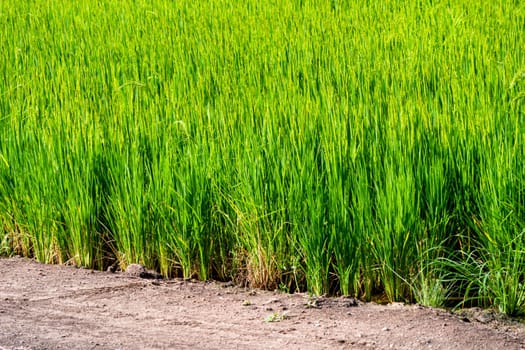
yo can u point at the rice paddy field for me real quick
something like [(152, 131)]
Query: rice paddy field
[(365, 148)]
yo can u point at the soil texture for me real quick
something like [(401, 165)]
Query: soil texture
[(61, 307)]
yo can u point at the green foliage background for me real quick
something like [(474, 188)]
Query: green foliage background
[(352, 147)]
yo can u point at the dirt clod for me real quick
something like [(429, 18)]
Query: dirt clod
[(138, 270)]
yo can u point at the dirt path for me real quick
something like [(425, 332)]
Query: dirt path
[(58, 307)]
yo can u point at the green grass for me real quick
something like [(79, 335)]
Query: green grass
[(344, 147)]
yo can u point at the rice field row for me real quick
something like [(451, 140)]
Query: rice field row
[(349, 147)]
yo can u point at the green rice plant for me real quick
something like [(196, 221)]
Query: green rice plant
[(393, 244), (434, 181), (486, 279), (501, 226), (357, 148), (307, 205), (81, 200)]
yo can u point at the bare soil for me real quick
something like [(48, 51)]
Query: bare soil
[(60, 307)]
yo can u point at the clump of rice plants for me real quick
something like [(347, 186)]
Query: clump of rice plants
[(353, 148)]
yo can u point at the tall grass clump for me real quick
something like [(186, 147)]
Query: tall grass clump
[(356, 148)]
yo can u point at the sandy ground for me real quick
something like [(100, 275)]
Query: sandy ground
[(59, 307)]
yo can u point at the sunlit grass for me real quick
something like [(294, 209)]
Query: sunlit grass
[(340, 147)]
